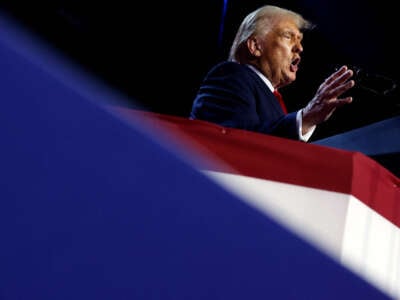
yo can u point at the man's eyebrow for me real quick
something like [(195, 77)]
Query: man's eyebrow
[(292, 32)]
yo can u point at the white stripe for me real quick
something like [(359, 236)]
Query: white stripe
[(371, 247), (316, 215), (337, 224)]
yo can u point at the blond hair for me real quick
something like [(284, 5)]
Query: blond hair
[(258, 22)]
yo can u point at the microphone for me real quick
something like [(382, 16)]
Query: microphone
[(376, 83)]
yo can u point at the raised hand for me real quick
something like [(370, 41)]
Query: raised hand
[(327, 98)]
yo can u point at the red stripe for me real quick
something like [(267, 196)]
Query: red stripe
[(252, 154)]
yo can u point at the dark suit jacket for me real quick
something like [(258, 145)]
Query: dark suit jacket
[(233, 95)]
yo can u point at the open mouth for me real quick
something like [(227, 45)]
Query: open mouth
[(294, 65)]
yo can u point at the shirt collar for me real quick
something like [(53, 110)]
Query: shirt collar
[(265, 79)]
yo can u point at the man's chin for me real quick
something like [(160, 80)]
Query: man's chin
[(290, 78)]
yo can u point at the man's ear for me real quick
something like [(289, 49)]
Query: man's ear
[(253, 46)]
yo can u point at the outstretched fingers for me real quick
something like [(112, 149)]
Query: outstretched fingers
[(336, 75), (327, 98), (338, 83), (341, 89)]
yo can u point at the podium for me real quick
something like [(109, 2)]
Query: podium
[(343, 202), (380, 141)]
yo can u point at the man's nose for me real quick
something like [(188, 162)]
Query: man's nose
[(298, 47)]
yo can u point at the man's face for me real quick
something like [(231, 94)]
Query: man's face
[(280, 51)]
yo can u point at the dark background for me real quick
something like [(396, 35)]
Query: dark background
[(157, 52)]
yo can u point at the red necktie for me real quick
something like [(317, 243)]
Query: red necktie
[(280, 99)]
